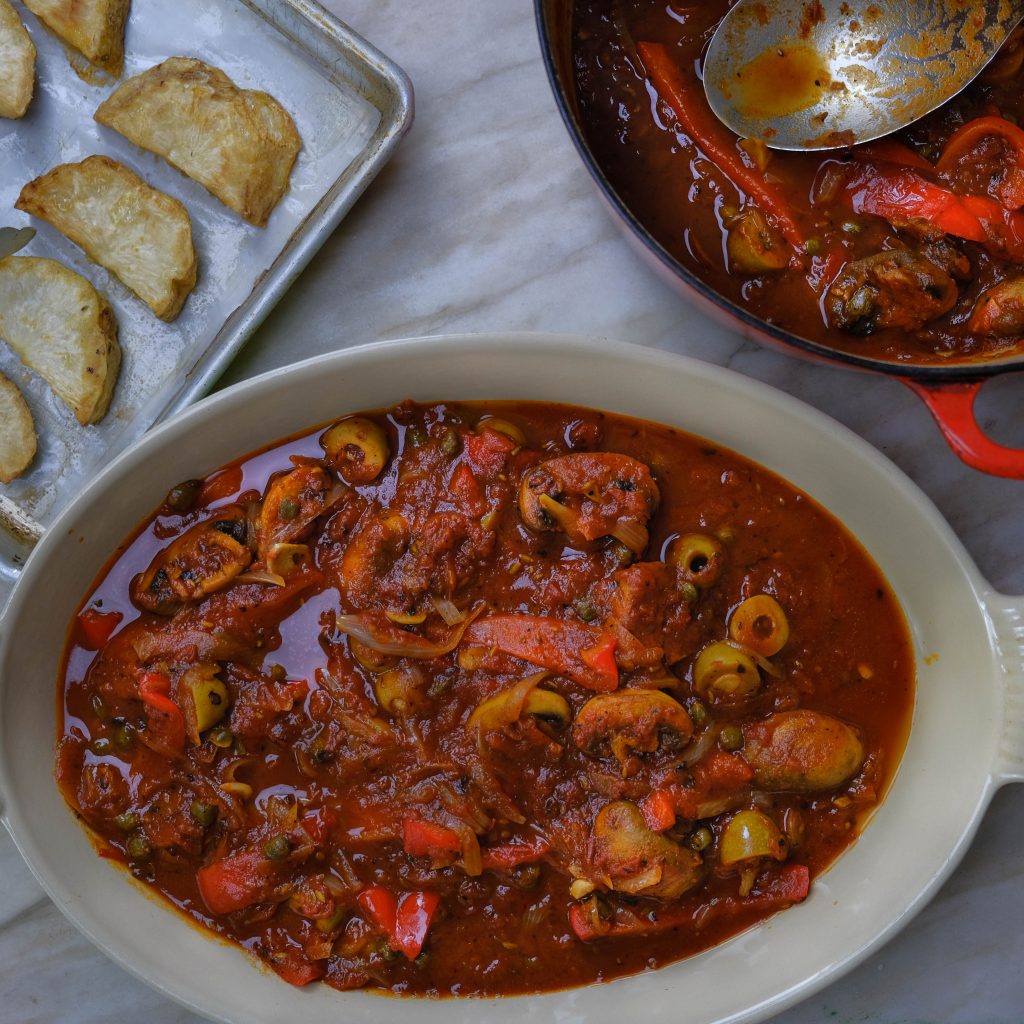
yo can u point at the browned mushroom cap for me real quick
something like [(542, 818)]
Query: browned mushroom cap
[(589, 495), (802, 751), (631, 858), (291, 504), (631, 720), (201, 561)]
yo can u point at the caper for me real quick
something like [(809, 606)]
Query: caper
[(139, 848), (101, 745), (124, 736), (449, 442), (688, 592), (812, 246), (585, 608), (277, 848), (386, 952), (203, 813), (99, 709), (182, 497), (221, 737), (526, 876), (731, 738), (698, 713), (623, 555), (127, 822), (701, 839), (288, 509), (416, 436)]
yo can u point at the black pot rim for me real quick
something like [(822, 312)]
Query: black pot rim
[(923, 373)]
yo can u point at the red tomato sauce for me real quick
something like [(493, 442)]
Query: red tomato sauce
[(483, 698)]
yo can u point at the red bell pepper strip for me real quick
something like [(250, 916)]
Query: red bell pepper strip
[(405, 921), (900, 194), (241, 879), (903, 195), (715, 775), (425, 839), (96, 627), (294, 968), (381, 907), (318, 824), (659, 809), (554, 644), (163, 716), (886, 151), (511, 855), (961, 144), (601, 657), (415, 912), (717, 143)]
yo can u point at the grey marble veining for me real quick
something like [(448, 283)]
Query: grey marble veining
[(486, 220)]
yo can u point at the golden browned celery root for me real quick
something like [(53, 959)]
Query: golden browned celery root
[(62, 328), (238, 143), (17, 63), (17, 432), (141, 235), (93, 27)]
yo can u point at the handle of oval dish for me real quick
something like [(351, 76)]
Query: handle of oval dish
[(1006, 615), (952, 405)]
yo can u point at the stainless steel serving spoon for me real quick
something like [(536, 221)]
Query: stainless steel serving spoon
[(829, 73)]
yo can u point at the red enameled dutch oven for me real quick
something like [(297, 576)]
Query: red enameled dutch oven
[(949, 392)]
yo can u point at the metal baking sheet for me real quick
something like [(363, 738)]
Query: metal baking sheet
[(351, 106)]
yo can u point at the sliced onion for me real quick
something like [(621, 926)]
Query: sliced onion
[(261, 576), (505, 707), (692, 753), (385, 639), (762, 662), (632, 534), (447, 610)]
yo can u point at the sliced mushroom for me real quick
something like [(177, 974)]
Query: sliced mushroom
[(802, 751), (631, 858), (291, 505), (631, 721), (589, 495), (202, 560)]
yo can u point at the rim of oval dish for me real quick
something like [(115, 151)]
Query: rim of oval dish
[(465, 354)]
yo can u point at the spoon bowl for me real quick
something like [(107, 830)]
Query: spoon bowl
[(828, 74)]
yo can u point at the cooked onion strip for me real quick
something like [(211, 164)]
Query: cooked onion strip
[(447, 610), (762, 662), (383, 637), (632, 534), (261, 576)]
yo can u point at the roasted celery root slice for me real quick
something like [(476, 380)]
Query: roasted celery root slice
[(93, 27), (141, 235), (17, 63), (237, 143), (62, 328), (17, 432)]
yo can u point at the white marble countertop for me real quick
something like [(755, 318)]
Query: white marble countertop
[(486, 220)]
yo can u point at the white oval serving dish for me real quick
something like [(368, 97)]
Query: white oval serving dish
[(968, 641)]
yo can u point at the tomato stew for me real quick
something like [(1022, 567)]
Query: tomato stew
[(483, 698), (906, 249)]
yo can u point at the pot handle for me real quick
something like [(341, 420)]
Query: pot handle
[(952, 405), (1006, 615)]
